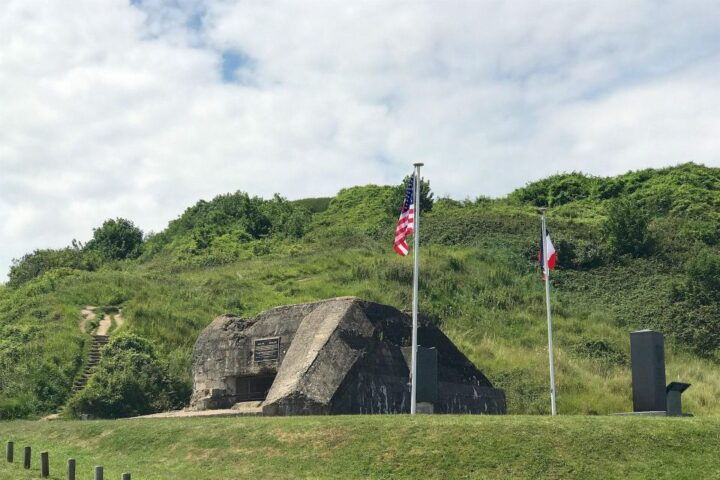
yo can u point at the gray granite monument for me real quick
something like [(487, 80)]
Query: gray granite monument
[(650, 394), (338, 356), (647, 352)]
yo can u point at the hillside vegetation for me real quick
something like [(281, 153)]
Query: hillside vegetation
[(636, 251)]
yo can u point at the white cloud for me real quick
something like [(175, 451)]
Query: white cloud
[(118, 109)]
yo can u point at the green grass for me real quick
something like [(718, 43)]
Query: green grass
[(445, 447)]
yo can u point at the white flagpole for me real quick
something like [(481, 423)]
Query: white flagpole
[(416, 271), (546, 272)]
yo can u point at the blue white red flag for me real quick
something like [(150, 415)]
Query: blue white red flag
[(406, 222)]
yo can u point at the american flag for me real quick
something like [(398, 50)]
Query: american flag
[(405, 225)]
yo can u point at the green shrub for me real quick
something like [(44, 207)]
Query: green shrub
[(696, 326), (231, 212), (703, 275), (19, 405), (626, 228), (224, 230), (33, 265), (130, 380), (556, 190), (602, 350), (314, 205), (579, 254)]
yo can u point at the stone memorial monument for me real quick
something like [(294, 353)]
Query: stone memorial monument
[(337, 356), (647, 353), (650, 394)]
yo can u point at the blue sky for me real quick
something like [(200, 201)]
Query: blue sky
[(138, 109)]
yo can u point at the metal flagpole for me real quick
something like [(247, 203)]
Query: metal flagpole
[(546, 272), (416, 271)]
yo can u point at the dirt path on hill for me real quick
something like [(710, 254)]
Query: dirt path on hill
[(88, 315), (119, 319), (105, 325)]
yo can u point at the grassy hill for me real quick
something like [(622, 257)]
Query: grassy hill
[(380, 446), (636, 251)]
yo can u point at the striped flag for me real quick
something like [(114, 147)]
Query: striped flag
[(405, 224)]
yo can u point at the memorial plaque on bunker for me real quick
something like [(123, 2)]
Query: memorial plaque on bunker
[(267, 350)]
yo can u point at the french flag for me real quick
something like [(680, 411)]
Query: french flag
[(548, 249)]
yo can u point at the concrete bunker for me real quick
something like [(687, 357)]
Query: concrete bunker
[(337, 356)]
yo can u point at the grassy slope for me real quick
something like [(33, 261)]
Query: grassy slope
[(477, 280), (378, 447), (493, 311)]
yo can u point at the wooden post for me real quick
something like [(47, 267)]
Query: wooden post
[(44, 465), (99, 472), (71, 469), (26, 457), (9, 451), (125, 476)]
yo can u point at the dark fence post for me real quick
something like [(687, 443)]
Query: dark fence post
[(9, 451), (125, 476), (99, 473), (26, 457), (44, 464), (71, 469)]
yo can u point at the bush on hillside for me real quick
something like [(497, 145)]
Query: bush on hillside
[(33, 265), (370, 210), (626, 228), (229, 212), (313, 205), (602, 350), (696, 326), (557, 190), (130, 380), (116, 239), (579, 254), (703, 275), (219, 231)]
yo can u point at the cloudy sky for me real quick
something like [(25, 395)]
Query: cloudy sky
[(140, 108)]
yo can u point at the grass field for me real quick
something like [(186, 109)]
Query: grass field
[(427, 447)]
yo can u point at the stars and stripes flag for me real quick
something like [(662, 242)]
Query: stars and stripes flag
[(406, 222)]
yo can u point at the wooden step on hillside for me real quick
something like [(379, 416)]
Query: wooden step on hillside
[(98, 342)]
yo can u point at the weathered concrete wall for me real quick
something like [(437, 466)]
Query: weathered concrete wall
[(224, 351), (319, 358)]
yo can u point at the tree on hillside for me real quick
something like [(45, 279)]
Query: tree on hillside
[(626, 228), (116, 239), (426, 195), (287, 219)]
